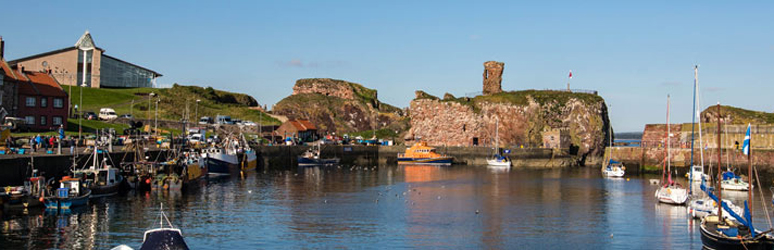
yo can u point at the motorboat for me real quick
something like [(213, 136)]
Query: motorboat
[(420, 153), (71, 193), (101, 178), (311, 157), (165, 237)]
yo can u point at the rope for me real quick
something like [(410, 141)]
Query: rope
[(765, 209)]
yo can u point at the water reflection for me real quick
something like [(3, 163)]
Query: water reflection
[(408, 206)]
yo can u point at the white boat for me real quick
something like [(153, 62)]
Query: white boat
[(696, 173), (734, 183), (670, 192), (699, 208), (614, 169), (497, 159)]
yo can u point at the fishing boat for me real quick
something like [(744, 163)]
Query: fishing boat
[(164, 237), (720, 233), (498, 160), (71, 193), (30, 195), (247, 156), (100, 177), (420, 153), (671, 192), (613, 168), (311, 157), (220, 161)]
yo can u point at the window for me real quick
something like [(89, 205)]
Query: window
[(57, 120), (29, 119), (42, 120), (58, 103), (30, 102), (43, 102)]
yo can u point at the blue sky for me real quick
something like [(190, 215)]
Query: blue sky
[(633, 53)]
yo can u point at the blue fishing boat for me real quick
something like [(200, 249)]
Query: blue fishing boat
[(71, 194)]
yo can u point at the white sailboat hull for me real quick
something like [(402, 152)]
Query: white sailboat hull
[(498, 162), (706, 206), (672, 195)]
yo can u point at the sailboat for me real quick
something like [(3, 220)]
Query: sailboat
[(731, 181), (696, 172), (720, 233), (497, 159), (613, 168), (670, 192)]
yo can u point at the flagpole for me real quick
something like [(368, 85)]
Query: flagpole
[(749, 169), (568, 81)]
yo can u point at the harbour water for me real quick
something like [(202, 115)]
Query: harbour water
[(383, 207)]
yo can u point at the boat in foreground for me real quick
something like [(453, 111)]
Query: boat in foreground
[(420, 153), (168, 238)]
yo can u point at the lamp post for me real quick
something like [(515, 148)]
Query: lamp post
[(156, 124), (149, 105), (197, 109)]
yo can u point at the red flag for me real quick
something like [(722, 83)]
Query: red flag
[(570, 74)]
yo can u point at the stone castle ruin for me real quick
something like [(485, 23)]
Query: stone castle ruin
[(493, 77)]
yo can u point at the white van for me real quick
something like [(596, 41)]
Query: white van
[(107, 114)]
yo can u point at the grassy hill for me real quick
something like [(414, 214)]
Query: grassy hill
[(171, 106)]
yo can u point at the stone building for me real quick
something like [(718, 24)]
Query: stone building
[(493, 77), (556, 138), (101, 70)]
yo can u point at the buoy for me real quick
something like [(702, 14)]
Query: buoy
[(627, 179), (476, 211), (147, 181), (439, 197), (249, 191)]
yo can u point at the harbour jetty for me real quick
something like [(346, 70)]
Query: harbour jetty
[(17, 167)]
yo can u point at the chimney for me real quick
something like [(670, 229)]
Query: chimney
[(2, 48)]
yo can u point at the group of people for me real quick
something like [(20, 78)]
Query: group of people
[(43, 142)]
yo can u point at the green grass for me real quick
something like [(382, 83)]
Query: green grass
[(172, 103), (742, 116)]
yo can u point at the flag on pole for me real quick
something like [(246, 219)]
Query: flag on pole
[(746, 145), (570, 74)]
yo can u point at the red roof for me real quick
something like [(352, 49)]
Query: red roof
[(302, 125), (40, 84)]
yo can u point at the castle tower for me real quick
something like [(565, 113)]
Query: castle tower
[(493, 77)]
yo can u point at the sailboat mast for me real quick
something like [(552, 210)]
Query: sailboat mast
[(669, 144), (693, 124), (720, 178), (497, 135)]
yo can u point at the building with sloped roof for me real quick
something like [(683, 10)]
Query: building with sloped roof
[(86, 64), (303, 130), (36, 97)]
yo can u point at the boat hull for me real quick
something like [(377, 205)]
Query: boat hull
[(498, 163), (303, 161), (68, 203), (714, 241), (219, 166), (163, 238), (103, 191), (250, 161), (22, 202), (672, 195), (426, 161)]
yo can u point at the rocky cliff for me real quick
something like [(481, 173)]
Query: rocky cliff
[(339, 106), (524, 116)]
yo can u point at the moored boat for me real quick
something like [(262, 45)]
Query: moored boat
[(498, 160), (311, 157), (219, 162), (101, 178), (671, 192), (28, 196), (71, 193), (420, 153), (163, 237)]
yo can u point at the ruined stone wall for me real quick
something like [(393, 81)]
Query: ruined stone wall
[(324, 86), (453, 123), (493, 77)]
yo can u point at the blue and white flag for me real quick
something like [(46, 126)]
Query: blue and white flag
[(746, 145)]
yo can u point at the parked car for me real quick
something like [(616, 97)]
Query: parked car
[(195, 138), (107, 114), (89, 115), (16, 124), (223, 119), (249, 123), (205, 120), (127, 116)]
